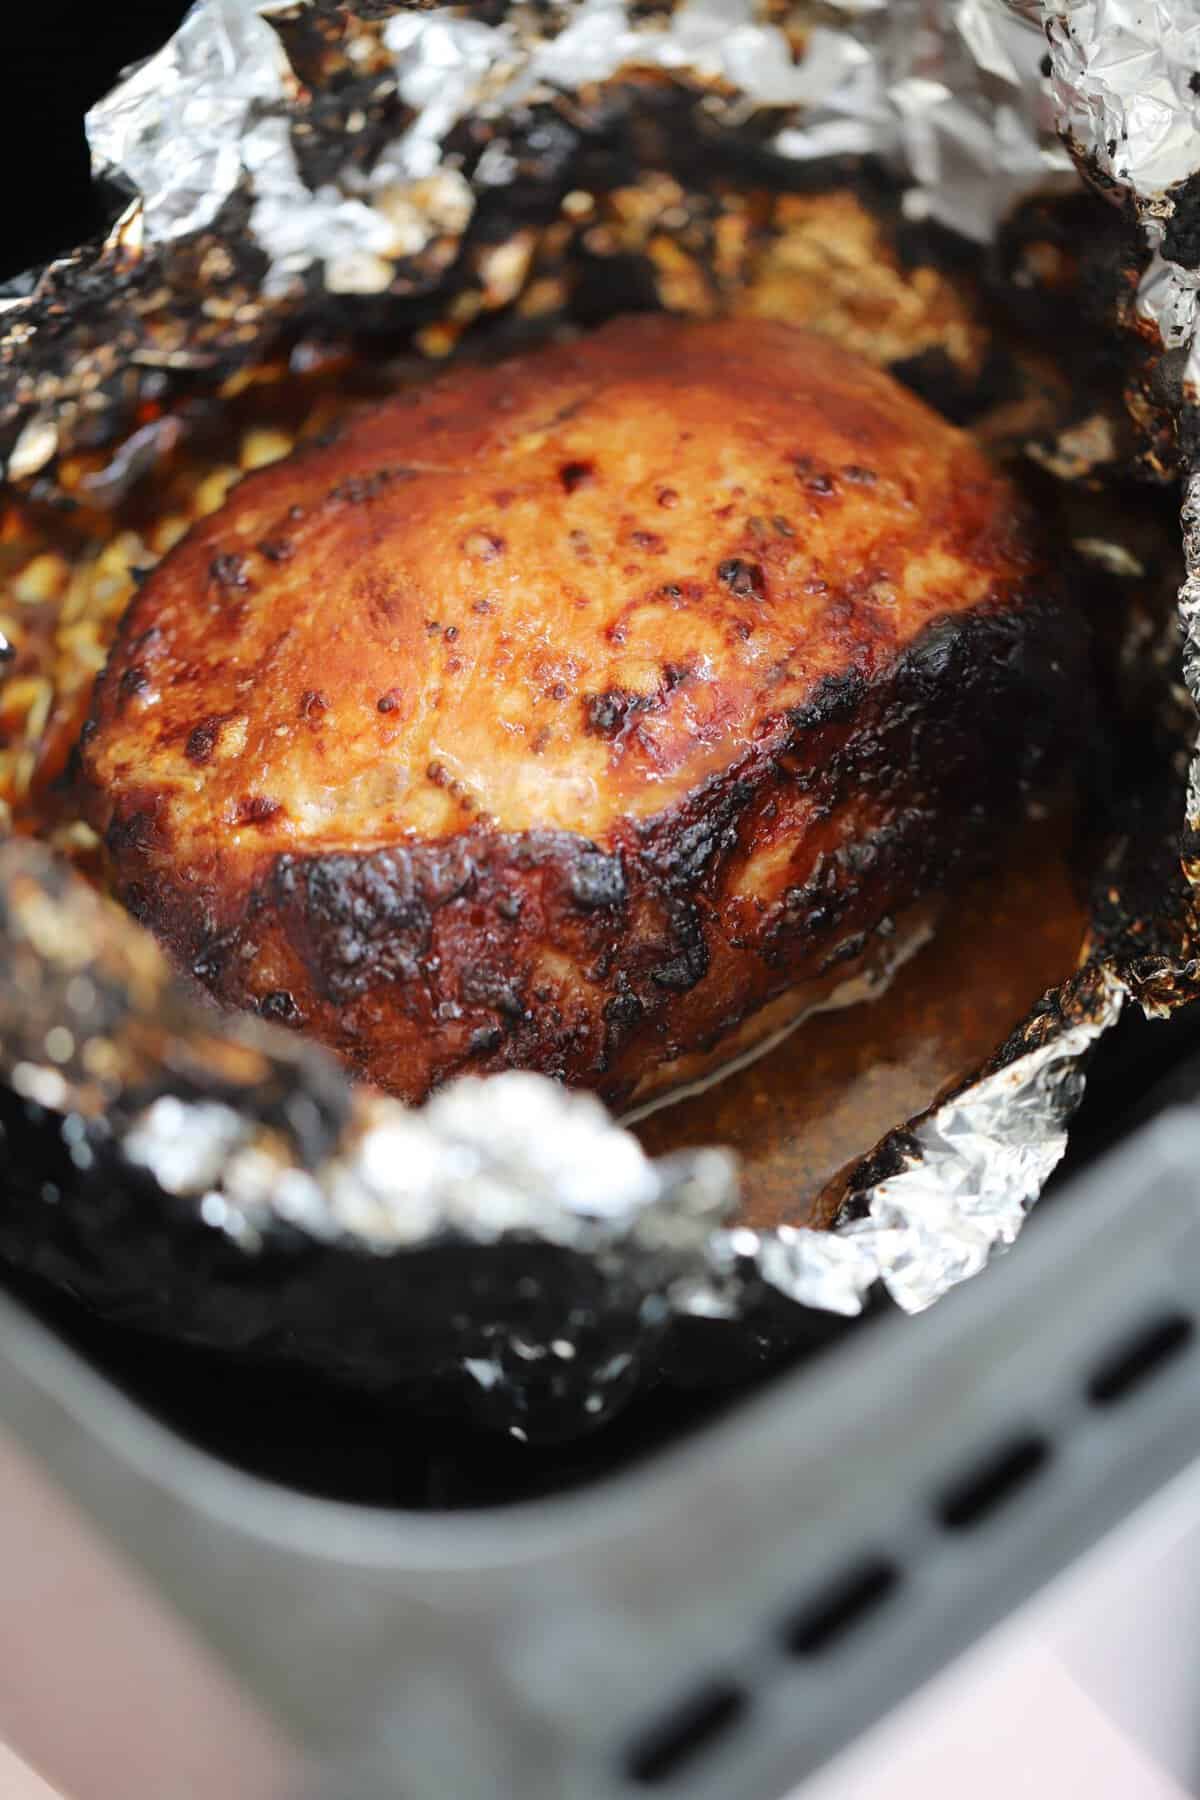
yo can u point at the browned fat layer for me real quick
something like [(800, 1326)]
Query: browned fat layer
[(477, 800)]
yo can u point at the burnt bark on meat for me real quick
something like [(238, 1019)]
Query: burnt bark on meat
[(488, 773)]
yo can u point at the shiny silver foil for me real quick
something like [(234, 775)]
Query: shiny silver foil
[(91, 1024), (955, 98), (1123, 78), (976, 1166), (951, 96)]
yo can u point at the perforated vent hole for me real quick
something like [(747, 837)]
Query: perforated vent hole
[(833, 1614), (992, 1483), (689, 1728), (1140, 1358)]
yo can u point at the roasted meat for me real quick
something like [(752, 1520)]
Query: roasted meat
[(585, 713)]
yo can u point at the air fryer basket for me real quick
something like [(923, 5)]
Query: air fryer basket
[(723, 1617)]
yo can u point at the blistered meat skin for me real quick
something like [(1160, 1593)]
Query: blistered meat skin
[(577, 712)]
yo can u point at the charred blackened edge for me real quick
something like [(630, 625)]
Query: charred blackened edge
[(83, 354), (83, 351), (420, 963), (1127, 349), (207, 1178), (121, 325), (1143, 937), (449, 1326)]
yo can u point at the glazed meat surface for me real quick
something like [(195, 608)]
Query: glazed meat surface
[(576, 712)]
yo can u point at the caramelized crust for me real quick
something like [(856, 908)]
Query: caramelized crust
[(564, 713)]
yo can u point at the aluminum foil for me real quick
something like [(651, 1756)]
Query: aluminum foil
[(971, 1172), (206, 135), (957, 100), (93, 1028), (953, 97)]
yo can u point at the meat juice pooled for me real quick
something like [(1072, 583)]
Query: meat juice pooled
[(828, 1093)]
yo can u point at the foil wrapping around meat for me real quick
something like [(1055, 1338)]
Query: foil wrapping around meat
[(303, 164)]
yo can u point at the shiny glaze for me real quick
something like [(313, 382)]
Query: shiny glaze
[(562, 713)]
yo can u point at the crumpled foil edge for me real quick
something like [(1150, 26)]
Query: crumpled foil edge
[(971, 1171), (975, 1165)]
